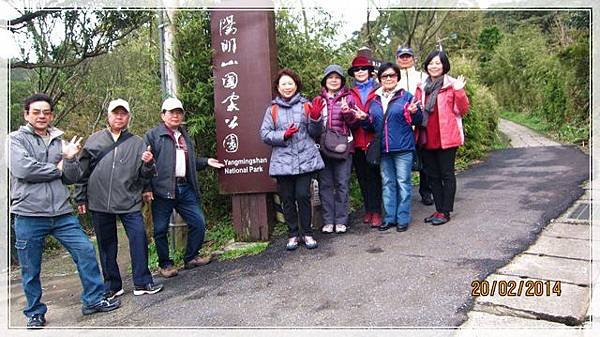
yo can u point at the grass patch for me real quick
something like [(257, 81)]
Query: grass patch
[(251, 249), (566, 132)]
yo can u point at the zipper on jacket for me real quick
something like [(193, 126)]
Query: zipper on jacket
[(46, 160), (112, 171)]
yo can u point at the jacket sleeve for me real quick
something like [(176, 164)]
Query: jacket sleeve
[(268, 132), (461, 102), (201, 163), (147, 181), (24, 166), (80, 193)]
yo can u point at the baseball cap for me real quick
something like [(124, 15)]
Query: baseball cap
[(404, 50), (171, 103), (117, 103)]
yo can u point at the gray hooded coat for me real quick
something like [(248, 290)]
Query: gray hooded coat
[(299, 154)]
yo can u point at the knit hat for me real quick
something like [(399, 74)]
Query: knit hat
[(333, 68), (360, 61)]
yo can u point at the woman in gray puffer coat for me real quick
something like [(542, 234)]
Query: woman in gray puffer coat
[(289, 127)]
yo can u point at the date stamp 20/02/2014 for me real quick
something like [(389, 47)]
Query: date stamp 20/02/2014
[(515, 288)]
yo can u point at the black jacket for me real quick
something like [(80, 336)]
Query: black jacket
[(163, 148)]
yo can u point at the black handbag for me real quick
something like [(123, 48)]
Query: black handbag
[(373, 154), (334, 144)]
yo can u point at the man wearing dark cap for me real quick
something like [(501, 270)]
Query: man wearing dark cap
[(115, 166), (409, 78)]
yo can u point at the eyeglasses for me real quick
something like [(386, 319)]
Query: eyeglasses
[(388, 76), (362, 68), (175, 112)]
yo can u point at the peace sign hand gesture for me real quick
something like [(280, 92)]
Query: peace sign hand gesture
[(71, 148)]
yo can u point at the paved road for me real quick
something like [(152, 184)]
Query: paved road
[(365, 278)]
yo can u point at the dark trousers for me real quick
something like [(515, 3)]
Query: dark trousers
[(439, 167), (369, 180), (188, 204), (424, 181), (294, 191), (105, 226), (333, 190)]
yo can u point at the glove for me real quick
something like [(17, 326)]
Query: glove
[(289, 132), (316, 107)]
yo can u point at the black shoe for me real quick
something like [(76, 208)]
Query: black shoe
[(111, 294), (386, 226), (149, 288), (103, 306), (427, 200), (401, 228), (36, 321), (429, 218), (440, 219)]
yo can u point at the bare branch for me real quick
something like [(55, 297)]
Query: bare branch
[(29, 16)]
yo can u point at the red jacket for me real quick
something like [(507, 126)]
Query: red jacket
[(362, 137), (452, 105)]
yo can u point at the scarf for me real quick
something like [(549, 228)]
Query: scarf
[(432, 88)]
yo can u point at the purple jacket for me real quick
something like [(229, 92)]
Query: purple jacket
[(340, 121)]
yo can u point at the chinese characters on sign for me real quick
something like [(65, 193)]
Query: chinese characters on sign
[(243, 58)]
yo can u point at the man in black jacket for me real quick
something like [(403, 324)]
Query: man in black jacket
[(116, 165), (175, 186)]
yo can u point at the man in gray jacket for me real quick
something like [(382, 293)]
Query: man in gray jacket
[(115, 166), (41, 164)]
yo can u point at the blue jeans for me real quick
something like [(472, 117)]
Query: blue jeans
[(396, 186), (105, 226), (30, 233), (187, 204)]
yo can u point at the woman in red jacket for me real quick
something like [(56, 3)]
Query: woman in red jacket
[(369, 179), (445, 103)]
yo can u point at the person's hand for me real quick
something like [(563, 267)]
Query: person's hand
[(212, 162), (147, 156), (72, 148), (413, 106), (148, 196), (59, 166), (459, 83), (344, 105), (289, 132), (359, 114), (82, 209), (316, 107)]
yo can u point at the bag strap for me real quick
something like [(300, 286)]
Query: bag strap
[(275, 110), (124, 136)]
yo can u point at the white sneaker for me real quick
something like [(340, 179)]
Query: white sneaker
[(310, 242), (340, 228), (327, 229)]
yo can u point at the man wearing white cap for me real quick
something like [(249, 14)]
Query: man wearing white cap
[(175, 186), (115, 167), (409, 79)]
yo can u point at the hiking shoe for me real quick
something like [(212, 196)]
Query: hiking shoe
[(105, 305), (401, 227), (292, 243), (310, 242), (376, 220), (429, 218), (197, 262), (149, 288), (168, 271), (113, 293), (367, 218), (441, 219), (328, 229), (340, 228), (36, 321)]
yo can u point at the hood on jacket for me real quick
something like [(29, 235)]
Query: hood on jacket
[(297, 98)]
